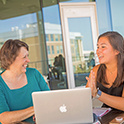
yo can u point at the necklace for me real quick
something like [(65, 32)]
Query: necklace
[(111, 72)]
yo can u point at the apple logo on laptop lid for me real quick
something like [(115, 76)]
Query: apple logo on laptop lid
[(63, 108)]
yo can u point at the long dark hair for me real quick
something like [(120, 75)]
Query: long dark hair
[(117, 42)]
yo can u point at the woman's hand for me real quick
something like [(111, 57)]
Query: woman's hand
[(91, 83)]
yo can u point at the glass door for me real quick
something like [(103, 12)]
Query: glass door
[(80, 31)]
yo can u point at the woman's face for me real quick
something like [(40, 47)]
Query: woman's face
[(105, 51), (21, 60)]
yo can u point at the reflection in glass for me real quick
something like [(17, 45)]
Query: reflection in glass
[(81, 48), (57, 72)]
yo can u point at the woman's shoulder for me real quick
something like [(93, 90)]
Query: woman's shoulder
[(95, 68), (31, 69), (32, 72)]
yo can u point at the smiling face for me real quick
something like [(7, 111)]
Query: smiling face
[(105, 52), (21, 61)]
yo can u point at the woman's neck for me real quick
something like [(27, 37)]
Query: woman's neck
[(14, 80), (13, 74), (112, 66)]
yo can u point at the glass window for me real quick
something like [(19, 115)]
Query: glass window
[(103, 8), (60, 37), (47, 37), (48, 49), (117, 9), (53, 50), (57, 48), (53, 27), (61, 49), (51, 36), (56, 37), (81, 43)]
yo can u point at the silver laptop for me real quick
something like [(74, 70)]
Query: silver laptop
[(69, 106)]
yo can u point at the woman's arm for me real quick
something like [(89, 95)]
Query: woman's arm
[(16, 116), (113, 101)]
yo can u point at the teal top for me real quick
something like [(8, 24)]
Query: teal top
[(18, 99)]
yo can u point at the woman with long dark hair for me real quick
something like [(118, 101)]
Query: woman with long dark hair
[(106, 80)]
